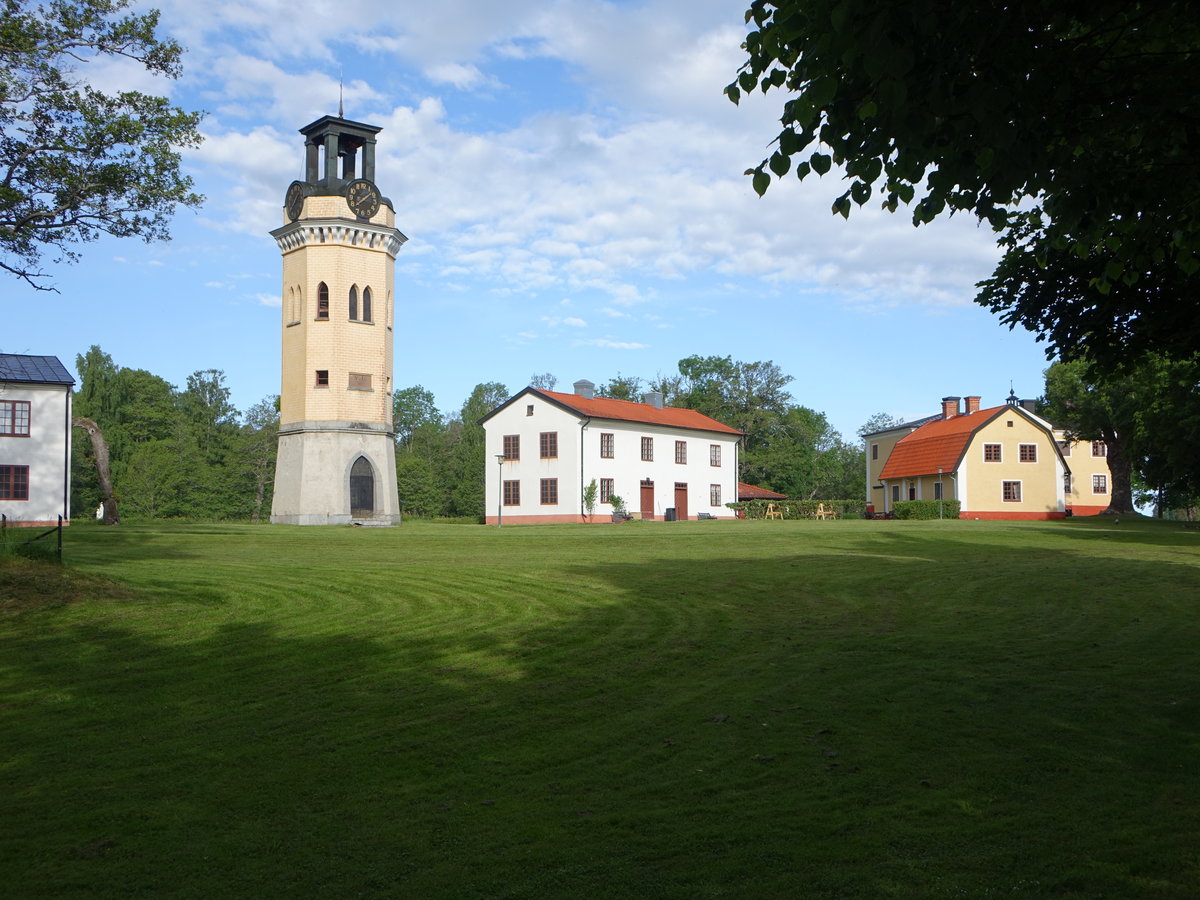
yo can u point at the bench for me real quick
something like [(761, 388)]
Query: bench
[(705, 516)]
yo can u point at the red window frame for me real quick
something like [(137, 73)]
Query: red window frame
[(15, 418), (606, 489), (512, 493), (14, 482)]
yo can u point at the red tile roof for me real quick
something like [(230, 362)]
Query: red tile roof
[(939, 443), (628, 411), (753, 492)]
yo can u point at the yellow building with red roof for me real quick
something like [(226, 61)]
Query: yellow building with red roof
[(1002, 462)]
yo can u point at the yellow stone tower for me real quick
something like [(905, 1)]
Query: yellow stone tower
[(337, 458)]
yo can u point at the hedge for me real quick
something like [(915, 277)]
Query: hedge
[(926, 509)]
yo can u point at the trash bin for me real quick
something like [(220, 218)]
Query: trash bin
[(669, 516)]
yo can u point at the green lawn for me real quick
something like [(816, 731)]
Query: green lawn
[(699, 709)]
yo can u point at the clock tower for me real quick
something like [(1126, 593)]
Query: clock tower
[(337, 458)]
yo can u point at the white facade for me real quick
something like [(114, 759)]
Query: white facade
[(650, 489), (35, 448)]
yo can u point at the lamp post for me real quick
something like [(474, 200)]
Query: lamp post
[(941, 492), (499, 490)]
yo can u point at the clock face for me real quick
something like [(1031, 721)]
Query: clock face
[(294, 200), (363, 198)]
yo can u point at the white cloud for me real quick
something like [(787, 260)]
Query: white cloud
[(612, 345), (574, 322), (269, 299)]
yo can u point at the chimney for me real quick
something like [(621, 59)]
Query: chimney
[(653, 398), (949, 407), (1030, 405), (585, 389), (972, 405)]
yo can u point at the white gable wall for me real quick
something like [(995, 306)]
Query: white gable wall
[(579, 461), (46, 452)]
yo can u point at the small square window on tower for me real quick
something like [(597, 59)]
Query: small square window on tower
[(322, 378)]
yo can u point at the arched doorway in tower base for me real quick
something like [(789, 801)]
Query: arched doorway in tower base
[(362, 488)]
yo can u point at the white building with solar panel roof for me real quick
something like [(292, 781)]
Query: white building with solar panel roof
[(35, 439)]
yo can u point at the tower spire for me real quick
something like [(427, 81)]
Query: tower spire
[(341, 111)]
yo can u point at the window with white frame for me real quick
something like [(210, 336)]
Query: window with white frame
[(714, 495), (1012, 492), (647, 449), (606, 489), (714, 454), (992, 453), (1099, 448), (1027, 452), (1099, 484)]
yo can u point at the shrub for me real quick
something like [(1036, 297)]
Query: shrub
[(926, 509)]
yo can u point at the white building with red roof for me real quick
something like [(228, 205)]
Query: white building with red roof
[(545, 447)]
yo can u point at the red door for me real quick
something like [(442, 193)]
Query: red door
[(681, 510), (647, 499)]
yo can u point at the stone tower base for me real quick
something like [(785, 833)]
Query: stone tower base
[(313, 474)]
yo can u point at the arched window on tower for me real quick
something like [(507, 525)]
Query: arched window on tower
[(354, 303), (322, 301), (367, 305)]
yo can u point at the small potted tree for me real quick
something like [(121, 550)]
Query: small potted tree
[(618, 508)]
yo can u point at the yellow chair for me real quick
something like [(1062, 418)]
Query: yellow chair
[(826, 513), (773, 511)]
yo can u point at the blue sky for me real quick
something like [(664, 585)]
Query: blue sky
[(569, 176)]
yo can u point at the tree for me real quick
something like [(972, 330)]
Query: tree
[(545, 381), (76, 162), (1066, 126), (258, 445), (208, 410), (621, 388), (1099, 410), (413, 408), (467, 474), (881, 421)]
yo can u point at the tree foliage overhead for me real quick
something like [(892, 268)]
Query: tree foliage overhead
[(76, 162), (1072, 127)]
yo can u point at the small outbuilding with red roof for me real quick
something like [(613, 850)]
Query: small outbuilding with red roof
[(545, 447)]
